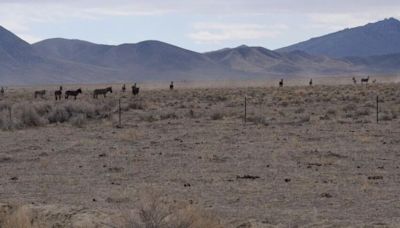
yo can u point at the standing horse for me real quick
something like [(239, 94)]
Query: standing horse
[(123, 88), (2, 91), (171, 86), (73, 93), (310, 83), (354, 80), (365, 80), (281, 83), (135, 90), (101, 92), (40, 93), (58, 93)]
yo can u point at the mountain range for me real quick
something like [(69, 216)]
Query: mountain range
[(373, 48), (380, 38)]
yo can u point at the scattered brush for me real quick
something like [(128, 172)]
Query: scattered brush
[(217, 116), (261, 120), (156, 212), (36, 114)]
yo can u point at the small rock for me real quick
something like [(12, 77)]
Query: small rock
[(326, 195), (115, 169), (245, 225), (14, 178), (251, 177), (375, 178), (287, 180)]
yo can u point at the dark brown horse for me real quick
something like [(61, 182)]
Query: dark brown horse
[(103, 92), (135, 90), (40, 93), (73, 93), (58, 93), (365, 80), (171, 86), (281, 83)]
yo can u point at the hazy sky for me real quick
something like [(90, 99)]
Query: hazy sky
[(197, 25)]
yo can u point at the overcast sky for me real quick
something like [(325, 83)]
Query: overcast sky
[(197, 25)]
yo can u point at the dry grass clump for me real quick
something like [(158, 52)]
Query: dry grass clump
[(79, 120), (28, 114), (331, 112), (137, 105), (349, 107), (362, 112), (217, 116), (5, 122), (303, 119), (387, 116), (299, 110), (157, 213), (148, 118), (5, 105), (21, 218), (261, 120), (169, 115)]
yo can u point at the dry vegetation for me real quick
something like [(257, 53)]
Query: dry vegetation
[(306, 156)]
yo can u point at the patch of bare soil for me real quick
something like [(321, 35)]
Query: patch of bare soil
[(305, 157)]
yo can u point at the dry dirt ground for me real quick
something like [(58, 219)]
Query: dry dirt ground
[(306, 157)]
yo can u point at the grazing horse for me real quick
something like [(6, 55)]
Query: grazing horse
[(135, 90), (365, 80), (354, 81), (310, 83), (40, 93), (101, 92), (171, 86), (73, 93), (2, 91), (123, 88), (58, 93), (281, 83)]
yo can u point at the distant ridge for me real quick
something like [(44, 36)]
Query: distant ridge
[(59, 60), (296, 63), (380, 38)]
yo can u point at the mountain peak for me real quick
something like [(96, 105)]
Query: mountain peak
[(391, 20), (386, 24), (379, 38)]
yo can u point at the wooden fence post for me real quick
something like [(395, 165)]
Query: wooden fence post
[(119, 113), (377, 109), (10, 116), (245, 109)]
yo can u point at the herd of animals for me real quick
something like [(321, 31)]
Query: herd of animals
[(58, 94), (363, 81), (135, 90)]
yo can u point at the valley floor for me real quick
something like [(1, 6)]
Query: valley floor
[(306, 157)]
